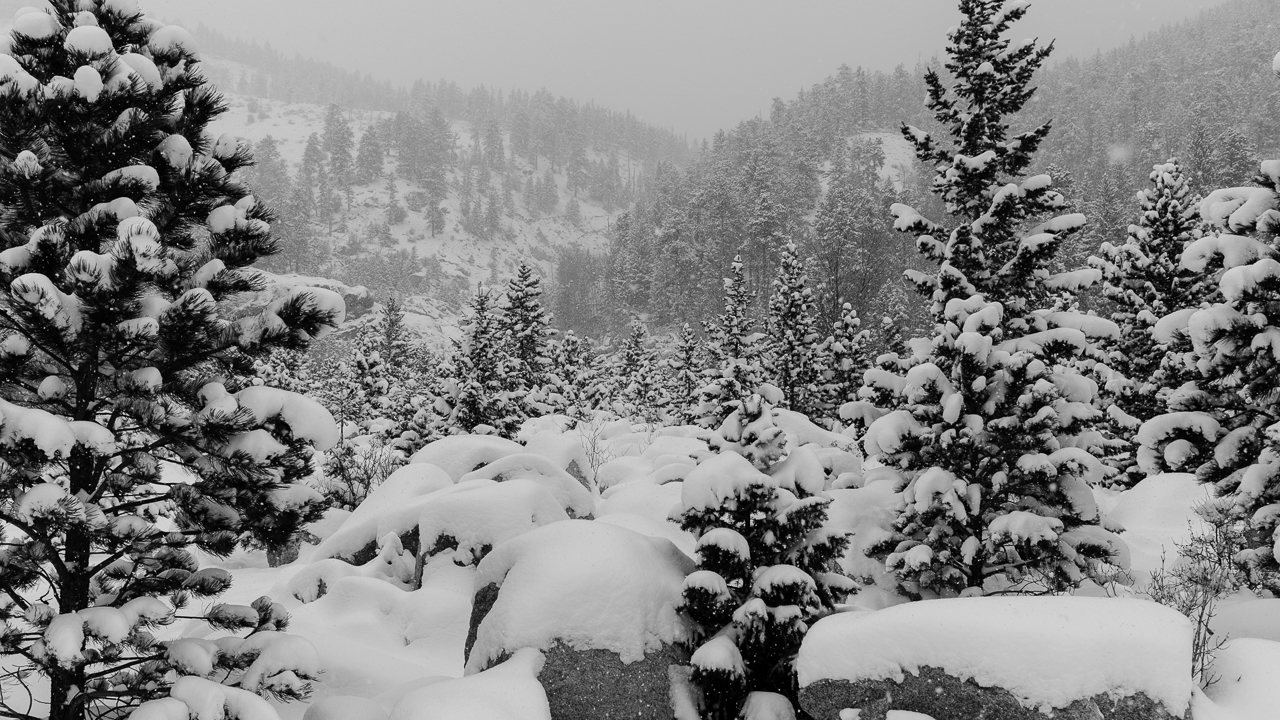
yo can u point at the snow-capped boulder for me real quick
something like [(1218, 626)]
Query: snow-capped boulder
[(1014, 658), (569, 492), (600, 602), (565, 449), (468, 520), (509, 691), (458, 455), (393, 507), (1246, 688)]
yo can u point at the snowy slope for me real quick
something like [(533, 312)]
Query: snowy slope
[(466, 258)]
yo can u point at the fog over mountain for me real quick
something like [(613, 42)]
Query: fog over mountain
[(694, 66)]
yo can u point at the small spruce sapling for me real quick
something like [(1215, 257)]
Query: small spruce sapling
[(766, 561)]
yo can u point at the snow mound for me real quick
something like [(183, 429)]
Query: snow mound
[(564, 449), (1157, 514), (1248, 619), (570, 493), (642, 498), (590, 585), (1247, 670), (621, 470), (509, 691), (393, 507), (344, 707), (458, 455), (1046, 651), (373, 636), (475, 516)]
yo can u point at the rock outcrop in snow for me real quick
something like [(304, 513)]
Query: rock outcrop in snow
[(1007, 657)]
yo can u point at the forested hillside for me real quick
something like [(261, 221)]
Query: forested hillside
[(1198, 90), (424, 192)]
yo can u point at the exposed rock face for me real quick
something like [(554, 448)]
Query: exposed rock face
[(945, 697), (484, 599), (408, 540), (597, 684)]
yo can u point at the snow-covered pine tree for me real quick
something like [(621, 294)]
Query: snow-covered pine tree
[(574, 374), (889, 309), (475, 393), (736, 354), (395, 212), (1223, 424), (636, 388), (338, 145), (125, 233), (526, 328), (841, 361), (792, 334), (1144, 280), (684, 367), (991, 428), (766, 563), (393, 339), (370, 374), (370, 156), (311, 172)]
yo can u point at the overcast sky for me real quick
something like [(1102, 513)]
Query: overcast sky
[(692, 65)]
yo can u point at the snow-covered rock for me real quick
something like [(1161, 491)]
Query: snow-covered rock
[(1246, 688), (509, 691), (469, 519), (1024, 656), (567, 490), (1157, 514), (600, 601), (458, 455), (393, 507)]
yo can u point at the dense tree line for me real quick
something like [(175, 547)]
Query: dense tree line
[(1199, 90)]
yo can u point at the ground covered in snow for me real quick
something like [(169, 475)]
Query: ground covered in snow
[(390, 631)]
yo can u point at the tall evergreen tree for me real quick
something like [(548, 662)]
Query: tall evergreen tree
[(684, 375), (393, 337), (370, 156), (842, 360), (792, 333), (339, 144), (1145, 281), (991, 431), (310, 172), (636, 387), (395, 212), (526, 327), (1222, 424), (475, 392), (126, 235), (269, 176), (736, 353)]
